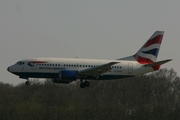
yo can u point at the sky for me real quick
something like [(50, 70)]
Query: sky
[(97, 29)]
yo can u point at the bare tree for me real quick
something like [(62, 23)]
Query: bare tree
[(150, 96)]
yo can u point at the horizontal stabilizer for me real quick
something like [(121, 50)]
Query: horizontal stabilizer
[(157, 63)]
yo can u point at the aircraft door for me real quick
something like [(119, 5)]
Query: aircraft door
[(22, 68), (130, 68)]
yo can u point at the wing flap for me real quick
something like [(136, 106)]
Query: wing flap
[(97, 70)]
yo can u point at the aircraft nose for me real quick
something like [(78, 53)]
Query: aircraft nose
[(8, 69)]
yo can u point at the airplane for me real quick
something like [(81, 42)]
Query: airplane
[(66, 70)]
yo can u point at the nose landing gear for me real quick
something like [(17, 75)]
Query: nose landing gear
[(27, 82)]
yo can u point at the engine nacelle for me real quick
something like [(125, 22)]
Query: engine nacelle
[(67, 75)]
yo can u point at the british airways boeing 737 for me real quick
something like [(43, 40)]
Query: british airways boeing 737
[(66, 70)]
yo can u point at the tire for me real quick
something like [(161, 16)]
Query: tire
[(27, 82)]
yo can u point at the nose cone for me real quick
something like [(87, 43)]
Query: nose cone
[(8, 69), (12, 69)]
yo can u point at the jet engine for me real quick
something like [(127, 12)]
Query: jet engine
[(67, 75)]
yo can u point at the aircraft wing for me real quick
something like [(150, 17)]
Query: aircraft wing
[(95, 71)]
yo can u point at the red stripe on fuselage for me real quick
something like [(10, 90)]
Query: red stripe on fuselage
[(142, 60), (155, 40), (156, 67)]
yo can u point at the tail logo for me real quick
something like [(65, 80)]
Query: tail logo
[(149, 51)]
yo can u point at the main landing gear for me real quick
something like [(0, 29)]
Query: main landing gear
[(27, 82), (84, 84)]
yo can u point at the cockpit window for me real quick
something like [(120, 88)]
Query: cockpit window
[(20, 63)]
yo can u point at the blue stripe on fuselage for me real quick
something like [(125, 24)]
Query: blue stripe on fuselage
[(55, 75)]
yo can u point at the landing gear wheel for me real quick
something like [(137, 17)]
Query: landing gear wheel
[(82, 85), (27, 82)]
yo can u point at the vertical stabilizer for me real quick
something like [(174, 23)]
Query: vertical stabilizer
[(149, 51)]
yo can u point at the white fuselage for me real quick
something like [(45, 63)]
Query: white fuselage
[(50, 67)]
